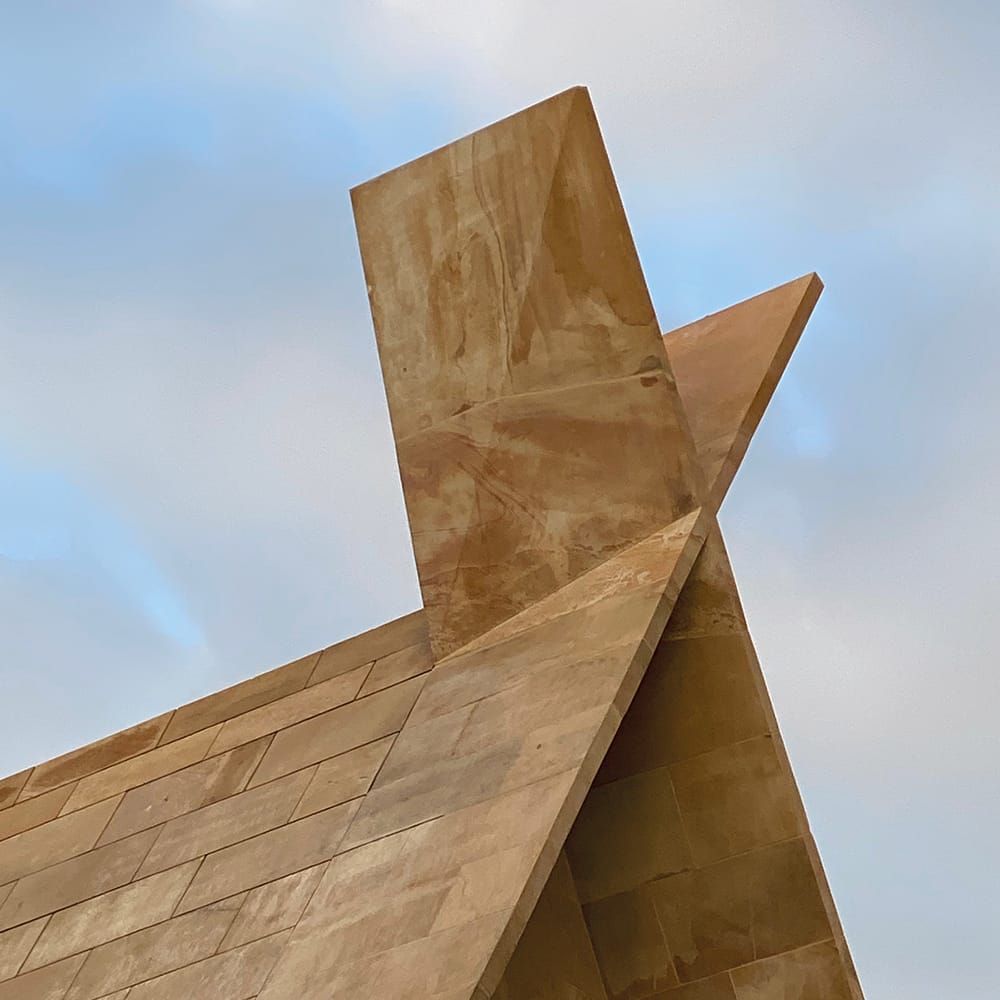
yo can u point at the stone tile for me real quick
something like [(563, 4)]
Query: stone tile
[(15, 945), (237, 818), (53, 842), (43, 984), (713, 988), (33, 812), (563, 390), (627, 833), (240, 698), (291, 709), (727, 366), (388, 894), (154, 951), (269, 856), (629, 945), (111, 915), (184, 791), (274, 907), (234, 975), (735, 799), (140, 769), (814, 973), (398, 666), (697, 695), (344, 777), (338, 730), (10, 787), (750, 907), (95, 756), (370, 646), (72, 881)]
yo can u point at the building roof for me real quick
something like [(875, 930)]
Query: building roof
[(562, 778)]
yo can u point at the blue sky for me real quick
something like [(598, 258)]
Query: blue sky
[(196, 474)]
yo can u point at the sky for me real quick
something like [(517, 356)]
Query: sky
[(197, 479)]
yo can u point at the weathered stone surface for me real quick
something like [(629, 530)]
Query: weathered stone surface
[(431, 811), (523, 365), (111, 915)]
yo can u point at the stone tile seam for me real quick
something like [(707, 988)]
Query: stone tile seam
[(218, 694), (270, 704), (209, 756), (30, 951), (167, 972), (173, 916), (161, 741), (551, 391), (694, 868), (162, 825), (669, 765), (22, 797), (743, 965), (44, 821)]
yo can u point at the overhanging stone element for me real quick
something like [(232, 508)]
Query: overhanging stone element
[(561, 779)]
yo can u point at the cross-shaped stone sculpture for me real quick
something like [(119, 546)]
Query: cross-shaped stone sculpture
[(562, 465)]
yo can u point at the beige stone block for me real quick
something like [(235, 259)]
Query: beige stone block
[(140, 769), (216, 826), (10, 787), (629, 945), (273, 907), (293, 708), (398, 666), (746, 908), (269, 856), (627, 833), (341, 729), (184, 791), (735, 799), (154, 951), (49, 983), (72, 881), (814, 973), (33, 812), (370, 646), (53, 842), (234, 975), (713, 988), (95, 756), (111, 915), (240, 698), (344, 777), (16, 943), (698, 694)]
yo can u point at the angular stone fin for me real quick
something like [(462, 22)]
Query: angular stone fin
[(727, 366)]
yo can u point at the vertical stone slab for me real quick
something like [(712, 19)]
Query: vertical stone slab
[(536, 421)]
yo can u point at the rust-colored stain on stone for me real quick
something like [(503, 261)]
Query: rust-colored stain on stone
[(562, 777)]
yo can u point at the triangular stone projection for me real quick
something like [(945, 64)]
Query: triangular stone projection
[(562, 779)]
